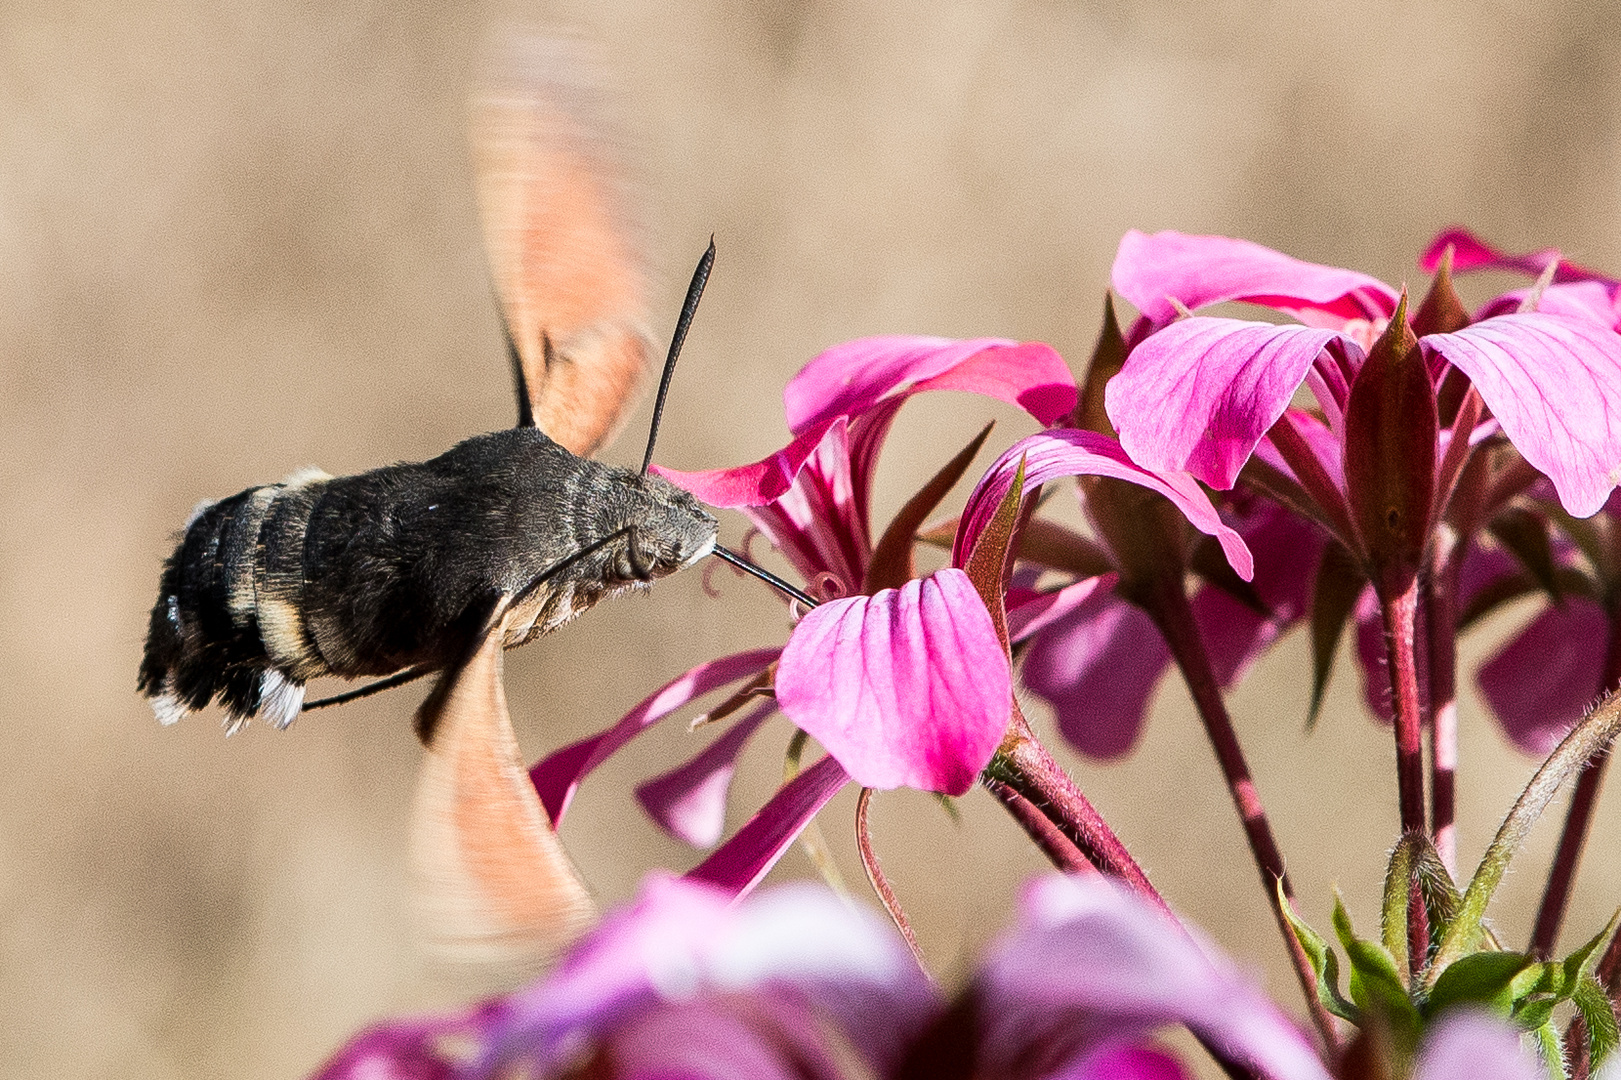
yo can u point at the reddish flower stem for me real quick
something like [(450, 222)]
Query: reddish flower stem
[(1171, 612), (1026, 766), (1400, 613), (1440, 592), (1567, 857), (1043, 833), (880, 883)]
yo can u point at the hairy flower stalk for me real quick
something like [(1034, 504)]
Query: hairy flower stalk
[(1573, 837)]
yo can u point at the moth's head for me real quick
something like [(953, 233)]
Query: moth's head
[(666, 529)]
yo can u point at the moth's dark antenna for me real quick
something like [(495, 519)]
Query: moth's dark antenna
[(520, 382), (688, 310), (764, 575)]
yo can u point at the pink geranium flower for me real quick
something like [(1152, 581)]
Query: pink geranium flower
[(1203, 393), (923, 690)]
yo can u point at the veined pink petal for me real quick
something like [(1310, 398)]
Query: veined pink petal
[(755, 484), (1469, 252), (817, 523), (1543, 680), (689, 801), (1098, 667), (1198, 395), (1579, 299), (850, 378), (1469, 1044), (1048, 455), (1554, 383), (1087, 949), (1201, 270), (740, 863), (558, 776), (907, 687)]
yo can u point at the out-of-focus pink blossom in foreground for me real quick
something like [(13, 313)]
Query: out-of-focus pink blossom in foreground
[(795, 982)]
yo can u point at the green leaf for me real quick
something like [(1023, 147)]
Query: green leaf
[(1575, 965), (1482, 978), (1595, 732), (1323, 961), (1376, 983), (1598, 1015)]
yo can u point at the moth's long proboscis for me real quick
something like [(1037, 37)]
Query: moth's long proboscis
[(764, 575)]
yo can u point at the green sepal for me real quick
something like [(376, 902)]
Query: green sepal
[(1376, 983), (1598, 1014), (1393, 911), (1575, 965), (1552, 1049), (949, 805), (1535, 1014), (1334, 593), (1482, 978), (1323, 961), (1524, 534)]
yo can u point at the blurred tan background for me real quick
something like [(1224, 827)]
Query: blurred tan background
[(239, 239)]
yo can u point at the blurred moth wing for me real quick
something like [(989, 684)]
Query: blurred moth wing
[(494, 887), (566, 263)]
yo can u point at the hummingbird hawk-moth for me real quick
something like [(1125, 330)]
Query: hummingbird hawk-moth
[(441, 565)]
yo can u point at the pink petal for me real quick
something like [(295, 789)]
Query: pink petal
[(1098, 667), (1203, 270), (689, 801), (1198, 395), (1554, 383), (1088, 951), (740, 863), (1474, 1045), (1125, 1061), (1048, 455), (850, 378), (413, 1049), (1287, 551), (1370, 656), (751, 485), (1579, 300), (908, 687), (558, 776), (1471, 253), (1034, 613), (1542, 682), (817, 523)]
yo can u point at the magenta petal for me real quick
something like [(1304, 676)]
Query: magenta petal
[(907, 687), (1198, 395), (1087, 950), (1577, 300), (755, 484), (1544, 679), (1472, 1044), (1098, 667), (1125, 1061), (747, 857), (1554, 383), (848, 379), (1048, 455), (1200, 270), (1028, 615), (1469, 252), (557, 776), (689, 801), (414, 1049)]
